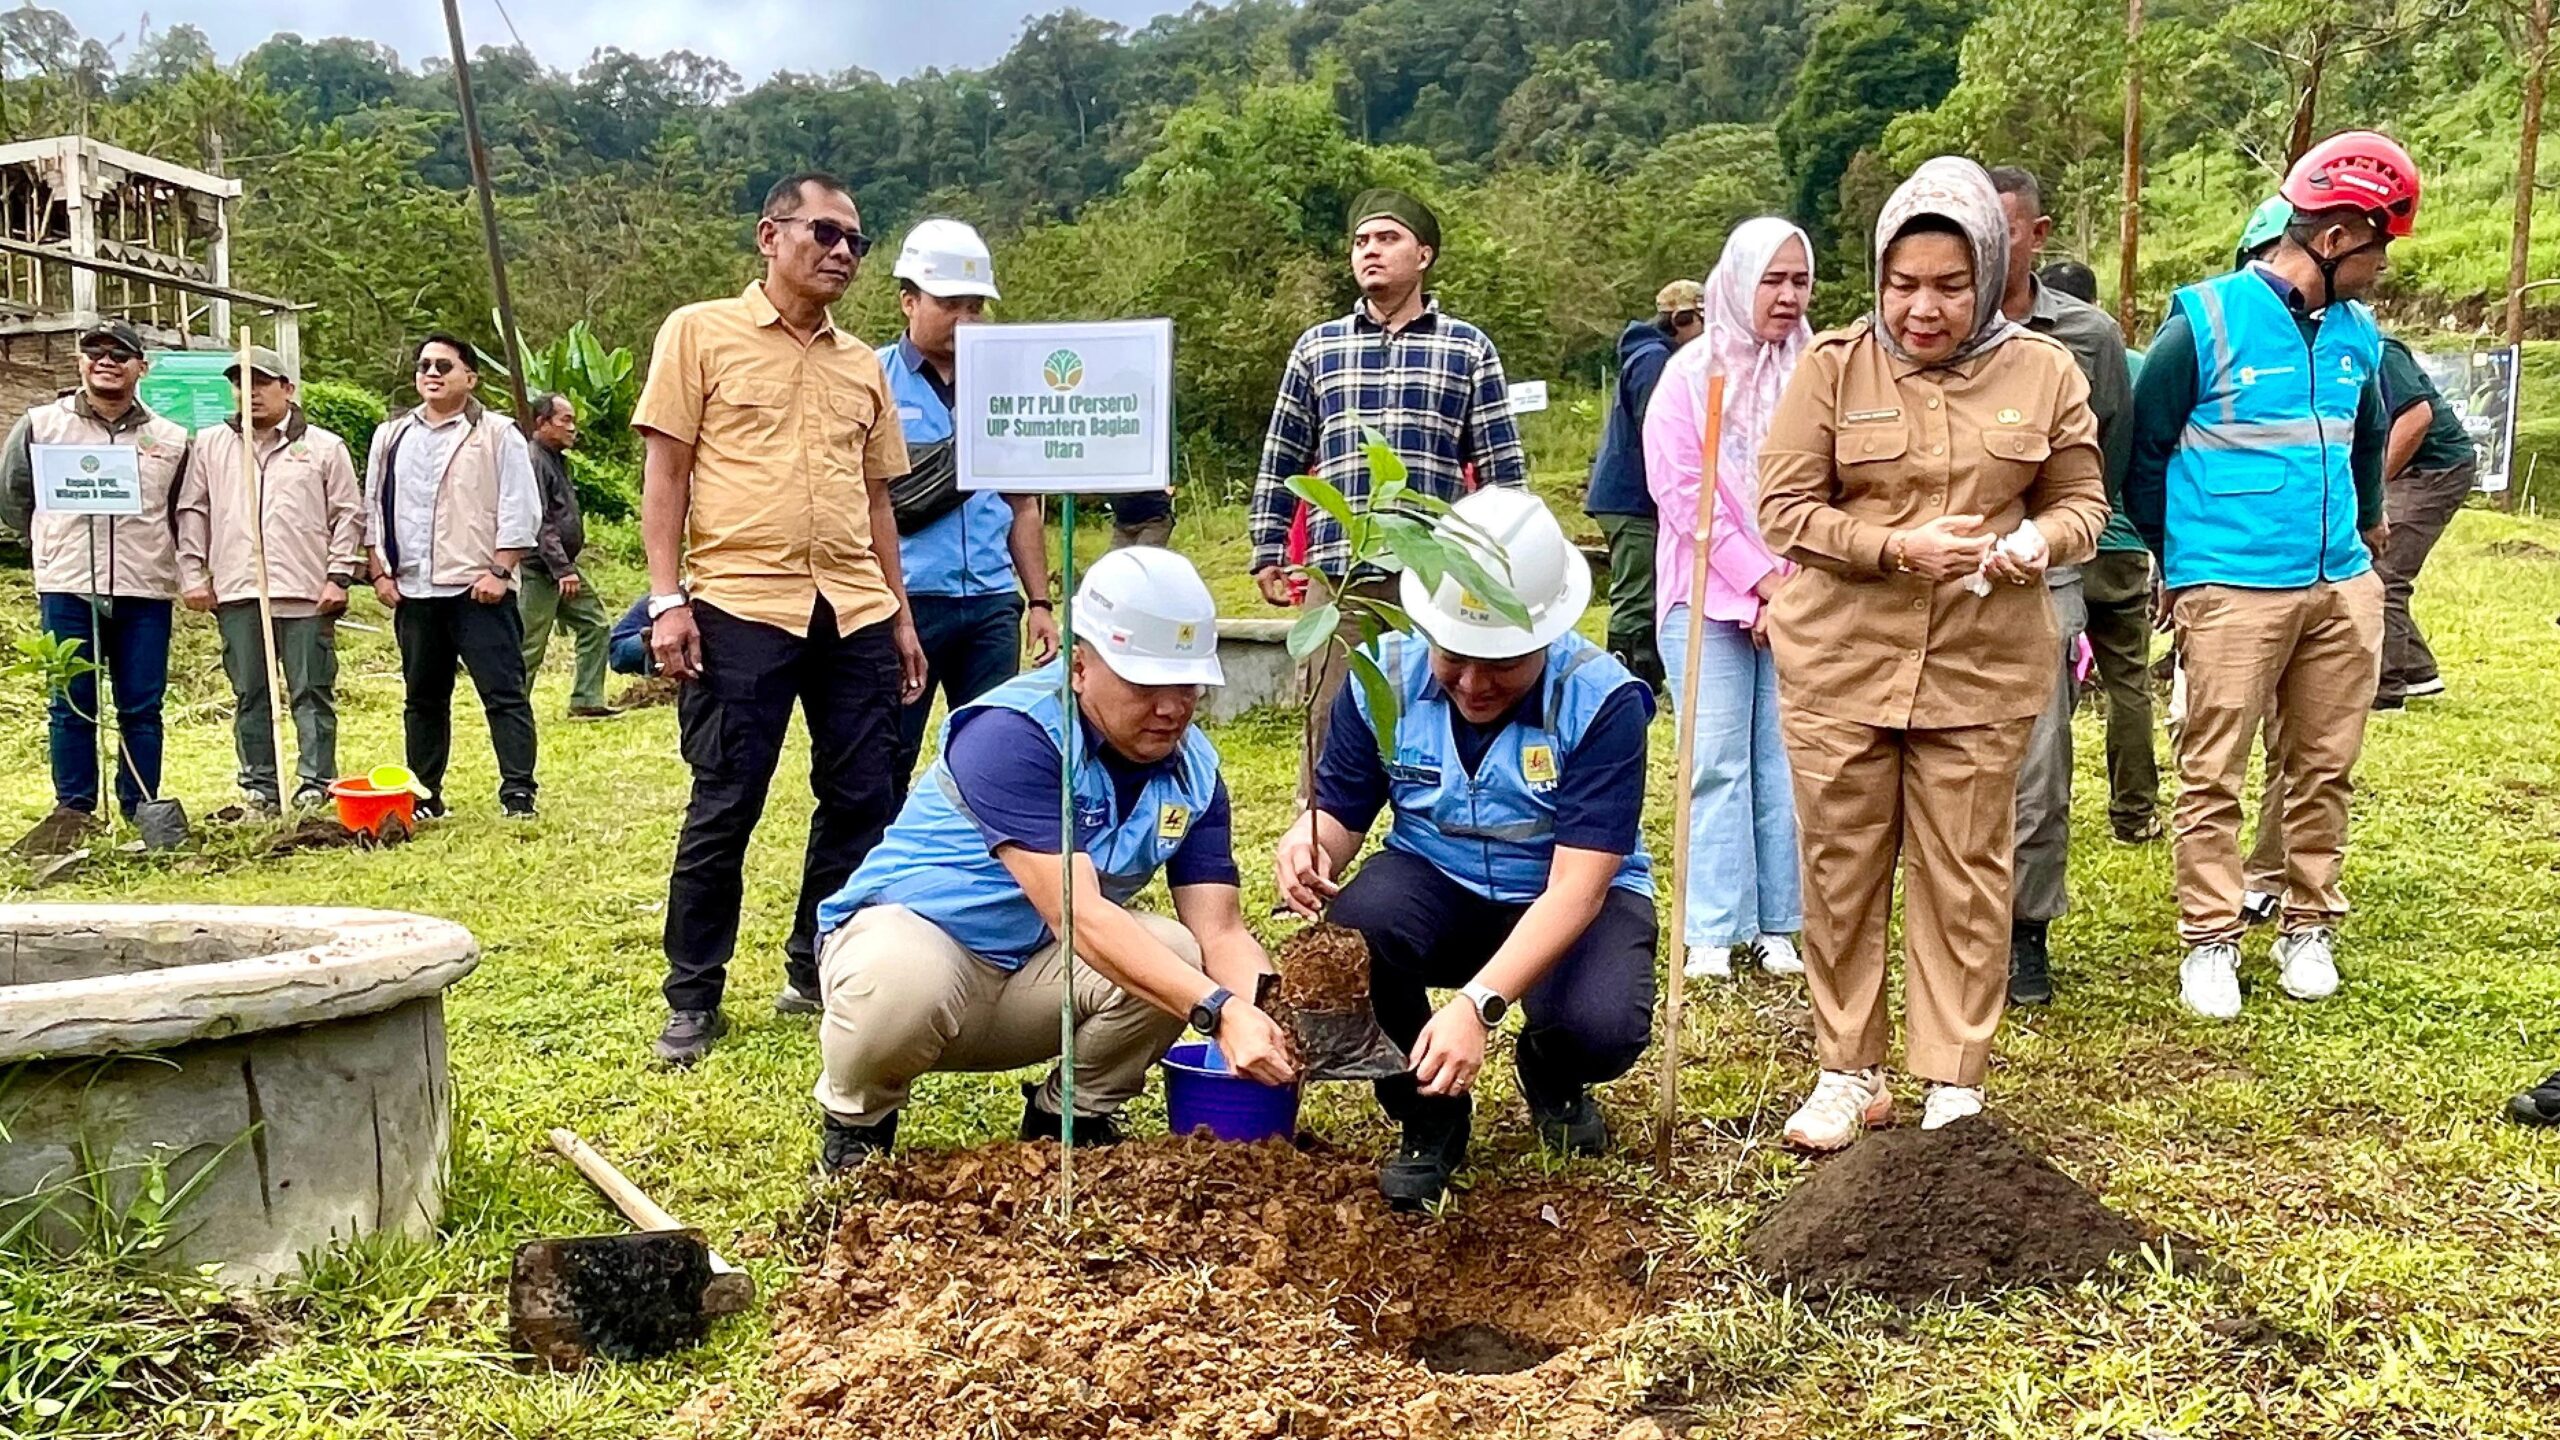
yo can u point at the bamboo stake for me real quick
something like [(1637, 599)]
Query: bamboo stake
[(256, 499), (1067, 872), (1683, 769), (2129, 235)]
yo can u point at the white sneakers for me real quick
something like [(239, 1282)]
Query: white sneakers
[(1775, 954), (2307, 962), (1949, 1103), (1843, 1103), (1710, 962), (2209, 981)]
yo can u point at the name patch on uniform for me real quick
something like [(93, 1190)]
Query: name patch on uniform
[(1538, 763), (2010, 417), (910, 412), (1173, 822), (1870, 417)]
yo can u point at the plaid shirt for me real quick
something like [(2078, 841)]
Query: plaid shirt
[(1434, 389)]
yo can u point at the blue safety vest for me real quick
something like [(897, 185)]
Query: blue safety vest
[(1494, 831), (2261, 489), (969, 550), (935, 862)]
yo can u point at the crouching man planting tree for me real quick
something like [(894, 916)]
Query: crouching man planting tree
[(1512, 752), (941, 953)]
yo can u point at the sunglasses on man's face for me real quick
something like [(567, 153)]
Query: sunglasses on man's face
[(112, 354), (829, 234), (438, 367)]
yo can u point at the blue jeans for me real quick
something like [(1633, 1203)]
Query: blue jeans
[(1743, 880), (134, 648)]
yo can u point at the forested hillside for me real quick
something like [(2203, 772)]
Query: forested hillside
[(1583, 151)]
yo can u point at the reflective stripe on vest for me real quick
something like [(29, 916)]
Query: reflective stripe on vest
[(1494, 831), (935, 861), (2261, 490), (970, 550)]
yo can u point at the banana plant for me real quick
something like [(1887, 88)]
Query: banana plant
[(603, 385)]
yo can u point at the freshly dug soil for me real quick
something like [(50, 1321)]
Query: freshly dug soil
[(318, 832), (1324, 967), (1206, 1291), (1914, 1215), (646, 692)]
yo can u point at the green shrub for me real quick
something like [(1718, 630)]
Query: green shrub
[(349, 411), (608, 488)]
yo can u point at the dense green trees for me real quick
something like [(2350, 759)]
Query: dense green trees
[(1583, 151)]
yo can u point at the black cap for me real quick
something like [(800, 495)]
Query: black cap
[(120, 331)]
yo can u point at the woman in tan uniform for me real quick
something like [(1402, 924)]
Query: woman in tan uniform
[(1925, 465)]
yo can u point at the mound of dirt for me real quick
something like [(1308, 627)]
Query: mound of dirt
[(1913, 1215), (646, 692), (1324, 968), (1205, 1292), (318, 832)]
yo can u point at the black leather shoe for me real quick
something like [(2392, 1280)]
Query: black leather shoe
[(2539, 1105), (842, 1146), (1040, 1124), (1418, 1173), (688, 1036), (1577, 1129), (2030, 965)]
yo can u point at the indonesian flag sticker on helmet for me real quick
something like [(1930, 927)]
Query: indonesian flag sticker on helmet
[(2358, 170), (1149, 616), (1547, 575)]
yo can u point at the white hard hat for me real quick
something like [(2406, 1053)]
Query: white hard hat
[(946, 258), (1149, 615), (1548, 576)]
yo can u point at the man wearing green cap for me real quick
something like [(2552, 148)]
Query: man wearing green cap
[(310, 516), (1430, 383)]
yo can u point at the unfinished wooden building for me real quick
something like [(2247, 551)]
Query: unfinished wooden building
[(89, 230)]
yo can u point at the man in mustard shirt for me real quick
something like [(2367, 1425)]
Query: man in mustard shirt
[(773, 578)]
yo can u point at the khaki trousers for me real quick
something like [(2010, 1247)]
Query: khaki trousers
[(1320, 676), (904, 999), (2313, 656), (1943, 805)]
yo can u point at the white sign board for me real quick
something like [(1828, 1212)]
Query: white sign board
[(2480, 385), (87, 479), (1051, 409), (1528, 396)]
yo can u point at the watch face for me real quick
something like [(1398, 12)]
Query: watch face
[(1492, 1008)]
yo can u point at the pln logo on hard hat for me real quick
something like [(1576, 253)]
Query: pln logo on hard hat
[(1471, 608), (1063, 370), (1186, 635)]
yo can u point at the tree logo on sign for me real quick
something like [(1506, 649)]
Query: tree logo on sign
[(1063, 370), (88, 464)]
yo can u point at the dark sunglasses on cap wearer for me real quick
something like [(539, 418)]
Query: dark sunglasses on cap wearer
[(109, 351), (829, 234), (437, 365)]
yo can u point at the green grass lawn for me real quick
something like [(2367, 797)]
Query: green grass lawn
[(2391, 1238)]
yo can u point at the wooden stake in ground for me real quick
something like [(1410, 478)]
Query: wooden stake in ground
[(1683, 769), (479, 154), (2528, 143), (2127, 302), (253, 490)]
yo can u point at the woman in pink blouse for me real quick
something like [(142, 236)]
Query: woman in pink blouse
[(1742, 880)]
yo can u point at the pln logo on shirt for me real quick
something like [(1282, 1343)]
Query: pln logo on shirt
[(1538, 764), (1173, 822)]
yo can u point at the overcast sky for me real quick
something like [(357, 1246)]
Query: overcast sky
[(756, 37)]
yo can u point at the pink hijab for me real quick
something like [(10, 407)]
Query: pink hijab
[(1755, 372)]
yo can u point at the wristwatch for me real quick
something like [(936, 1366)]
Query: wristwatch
[(661, 604), (342, 580), (1490, 1006), (1042, 604), (1212, 1009)]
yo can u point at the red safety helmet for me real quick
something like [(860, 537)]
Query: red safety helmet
[(2358, 170)]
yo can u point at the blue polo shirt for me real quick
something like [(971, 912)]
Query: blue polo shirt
[(1007, 770), (1599, 801)]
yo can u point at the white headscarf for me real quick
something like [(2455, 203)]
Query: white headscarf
[(1954, 189), (1755, 370)]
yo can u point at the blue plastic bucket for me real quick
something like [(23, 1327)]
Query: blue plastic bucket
[(1201, 1093)]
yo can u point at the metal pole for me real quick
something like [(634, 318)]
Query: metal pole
[(272, 651), (2127, 302), (1667, 1115), (488, 211), (1067, 874)]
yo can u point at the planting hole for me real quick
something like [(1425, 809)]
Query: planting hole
[(1479, 1350)]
